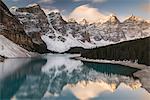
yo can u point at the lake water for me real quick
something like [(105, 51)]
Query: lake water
[(57, 77)]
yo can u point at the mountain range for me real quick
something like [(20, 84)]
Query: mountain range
[(35, 31)]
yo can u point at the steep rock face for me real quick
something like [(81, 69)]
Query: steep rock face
[(11, 28), (34, 21), (57, 22), (8, 20)]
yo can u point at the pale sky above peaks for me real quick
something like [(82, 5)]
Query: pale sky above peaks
[(90, 9)]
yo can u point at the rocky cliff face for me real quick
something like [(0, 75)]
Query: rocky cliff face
[(11, 28), (68, 28), (34, 21), (57, 22)]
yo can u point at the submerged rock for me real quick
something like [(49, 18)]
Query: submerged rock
[(144, 76), (2, 58)]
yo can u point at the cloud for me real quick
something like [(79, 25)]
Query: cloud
[(92, 1), (146, 7), (98, 1), (77, 0), (46, 1), (86, 12), (15, 0)]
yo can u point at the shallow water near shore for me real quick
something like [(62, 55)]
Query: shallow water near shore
[(58, 77)]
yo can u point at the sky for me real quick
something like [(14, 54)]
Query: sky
[(90, 9)]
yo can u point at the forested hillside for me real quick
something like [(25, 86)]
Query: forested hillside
[(130, 50)]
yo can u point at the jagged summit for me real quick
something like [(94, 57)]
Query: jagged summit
[(30, 9), (133, 18), (13, 9), (84, 22), (58, 23), (72, 20), (112, 19), (55, 15)]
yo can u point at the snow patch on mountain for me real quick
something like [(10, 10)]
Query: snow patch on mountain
[(10, 49), (13, 10)]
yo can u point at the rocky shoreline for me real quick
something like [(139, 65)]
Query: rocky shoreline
[(124, 63)]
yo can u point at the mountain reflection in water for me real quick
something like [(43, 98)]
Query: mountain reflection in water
[(59, 77)]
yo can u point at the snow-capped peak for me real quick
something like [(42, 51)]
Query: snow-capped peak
[(133, 18), (112, 19), (30, 8), (72, 20), (55, 15), (84, 22), (13, 9)]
